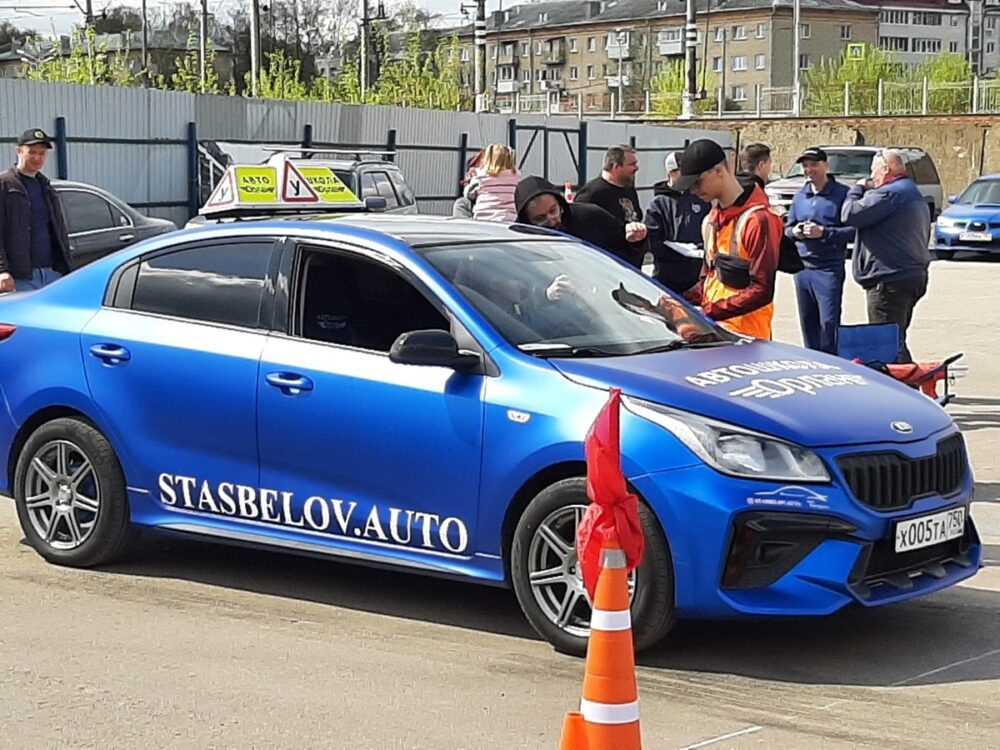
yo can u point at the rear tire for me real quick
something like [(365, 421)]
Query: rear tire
[(556, 604), (69, 490)]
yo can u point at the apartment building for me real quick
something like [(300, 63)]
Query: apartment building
[(566, 48), (917, 30)]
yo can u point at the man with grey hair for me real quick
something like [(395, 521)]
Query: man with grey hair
[(891, 257), (614, 191)]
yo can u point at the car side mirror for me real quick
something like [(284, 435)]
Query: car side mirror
[(376, 203), (431, 348), (953, 199)]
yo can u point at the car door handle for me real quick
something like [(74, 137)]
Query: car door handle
[(112, 354), (126, 237), (289, 382)]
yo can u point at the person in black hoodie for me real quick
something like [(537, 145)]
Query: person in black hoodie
[(541, 203), (675, 217)]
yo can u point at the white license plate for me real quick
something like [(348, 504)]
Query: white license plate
[(928, 530), (975, 236)]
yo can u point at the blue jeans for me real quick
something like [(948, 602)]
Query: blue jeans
[(39, 277), (820, 292)]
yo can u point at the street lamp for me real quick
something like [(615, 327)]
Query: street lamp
[(796, 33)]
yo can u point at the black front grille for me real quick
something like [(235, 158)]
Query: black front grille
[(890, 481)]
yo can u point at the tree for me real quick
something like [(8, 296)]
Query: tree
[(118, 19), (187, 74), (668, 86), (824, 83), (9, 33), (86, 62), (948, 77), (422, 78)]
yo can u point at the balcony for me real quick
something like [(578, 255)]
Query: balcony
[(507, 59), (554, 52), (508, 87), (619, 51), (670, 48), (551, 84), (626, 81)]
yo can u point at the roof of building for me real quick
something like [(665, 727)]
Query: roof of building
[(944, 6)]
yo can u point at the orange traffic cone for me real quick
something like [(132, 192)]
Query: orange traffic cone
[(574, 734), (610, 704)]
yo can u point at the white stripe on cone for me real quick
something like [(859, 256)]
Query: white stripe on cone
[(606, 620), (609, 713)]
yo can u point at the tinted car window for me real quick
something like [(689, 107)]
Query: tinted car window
[(358, 302), (383, 186), (923, 170), (368, 187), (87, 212), (406, 196), (219, 283)]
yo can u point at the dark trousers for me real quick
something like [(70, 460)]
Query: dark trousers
[(820, 293), (893, 302)]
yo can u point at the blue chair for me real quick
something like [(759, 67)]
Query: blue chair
[(875, 344)]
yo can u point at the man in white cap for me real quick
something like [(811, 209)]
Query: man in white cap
[(675, 217)]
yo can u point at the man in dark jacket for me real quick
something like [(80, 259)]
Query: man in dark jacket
[(890, 254), (34, 243), (674, 217), (614, 191), (813, 221), (541, 203)]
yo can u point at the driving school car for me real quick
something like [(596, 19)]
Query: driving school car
[(414, 392)]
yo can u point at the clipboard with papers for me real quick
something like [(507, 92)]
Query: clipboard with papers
[(687, 249)]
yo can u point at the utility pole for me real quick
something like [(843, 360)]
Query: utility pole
[(364, 48), (203, 43), (480, 65), (622, 35), (254, 46), (89, 14), (145, 41), (797, 33), (690, 61)]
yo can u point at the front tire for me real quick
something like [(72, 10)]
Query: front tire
[(548, 583), (70, 495)]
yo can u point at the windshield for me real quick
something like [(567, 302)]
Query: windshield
[(852, 164), (982, 191), (562, 298)]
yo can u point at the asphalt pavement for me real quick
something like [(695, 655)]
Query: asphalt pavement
[(189, 645)]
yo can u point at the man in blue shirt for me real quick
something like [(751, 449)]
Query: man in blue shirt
[(814, 223), (34, 243)]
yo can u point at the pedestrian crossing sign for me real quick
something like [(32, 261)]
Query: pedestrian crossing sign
[(855, 51)]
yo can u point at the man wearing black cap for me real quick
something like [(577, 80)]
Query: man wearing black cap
[(742, 239), (814, 223), (34, 243)]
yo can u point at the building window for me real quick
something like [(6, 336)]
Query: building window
[(719, 33), (739, 33), (990, 48), (845, 32), (591, 44), (466, 54), (573, 74), (894, 43), (642, 40), (761, 30), (926, 46), (953, 19), (572, 45), (590, 73), (538, 47), (760, 62), (543, 18), (662, 5), (525, 49), (716, 64), (740, 62), (953, 46), (991, 22), (540, 75), (803, 62), (926, 19), (508, 49), (606, 70), (893, 16), (804, 31), (739, 94)]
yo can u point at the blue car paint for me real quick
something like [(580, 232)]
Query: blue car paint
[(200, 413), (982, 217)]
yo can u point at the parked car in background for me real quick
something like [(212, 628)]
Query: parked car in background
[(99, 223), (848, 164), (972, 221)]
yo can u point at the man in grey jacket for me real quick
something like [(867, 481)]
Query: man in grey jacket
[(890, 255)]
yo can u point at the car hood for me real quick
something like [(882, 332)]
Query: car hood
[(806, 397), (973, 212)]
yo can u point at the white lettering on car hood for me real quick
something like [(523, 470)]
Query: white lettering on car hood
[(776, 387)]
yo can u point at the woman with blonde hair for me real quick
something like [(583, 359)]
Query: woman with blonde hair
[(491, 188)]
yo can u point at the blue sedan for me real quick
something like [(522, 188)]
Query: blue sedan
[(414, 392), (972, 221)]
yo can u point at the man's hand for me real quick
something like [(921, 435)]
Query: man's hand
[(864, 182), (812, 231), (6, 282), (560, 288), (635, 231)]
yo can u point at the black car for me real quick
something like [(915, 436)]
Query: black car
[(99, 223)]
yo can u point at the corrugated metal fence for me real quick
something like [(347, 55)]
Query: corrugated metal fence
[(142, 144)]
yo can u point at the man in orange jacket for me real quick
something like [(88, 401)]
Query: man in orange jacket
[(742, 243)]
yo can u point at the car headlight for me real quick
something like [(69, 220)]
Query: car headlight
[(734, 450), (945, 222)]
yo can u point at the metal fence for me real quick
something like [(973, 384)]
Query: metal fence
[(161, 151)]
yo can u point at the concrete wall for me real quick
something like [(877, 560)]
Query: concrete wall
[(962, 147)]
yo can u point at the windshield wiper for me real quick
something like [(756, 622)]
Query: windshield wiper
[(558, 349), (671, 346)]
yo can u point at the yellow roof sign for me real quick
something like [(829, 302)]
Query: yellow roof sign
[(279, 187)]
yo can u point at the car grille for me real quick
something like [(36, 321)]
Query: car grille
[(890, 481)]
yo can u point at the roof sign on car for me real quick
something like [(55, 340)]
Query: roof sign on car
[(266, 188)]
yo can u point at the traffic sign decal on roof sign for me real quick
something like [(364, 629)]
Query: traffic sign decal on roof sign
[(295, 188), (224, 193)]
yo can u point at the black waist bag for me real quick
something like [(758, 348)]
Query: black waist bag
[(732, 271)]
